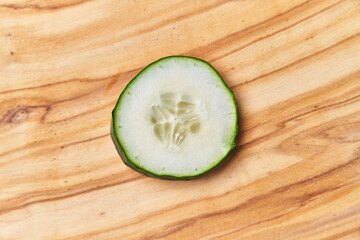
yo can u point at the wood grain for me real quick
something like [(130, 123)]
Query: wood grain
[(293, 65)]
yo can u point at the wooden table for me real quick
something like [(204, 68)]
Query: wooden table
[(293, 65)]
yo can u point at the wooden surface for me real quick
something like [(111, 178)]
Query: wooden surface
[(293, 65)]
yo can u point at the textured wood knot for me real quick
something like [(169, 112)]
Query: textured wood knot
[(19, 116), (22, 114)]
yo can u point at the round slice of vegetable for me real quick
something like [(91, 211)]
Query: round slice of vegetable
[(177, 119)]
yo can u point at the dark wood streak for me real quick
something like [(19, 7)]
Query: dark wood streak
[(169, 230), (330, 106), (97, 188), (86, 140), (39, 7), (257, 223), (349, 39)]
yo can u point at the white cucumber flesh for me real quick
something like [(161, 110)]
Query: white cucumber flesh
[(177, 119)]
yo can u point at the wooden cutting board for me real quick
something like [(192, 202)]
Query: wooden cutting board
[(293, 65)]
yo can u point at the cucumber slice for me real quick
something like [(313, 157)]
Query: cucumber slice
[(177, 119)]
